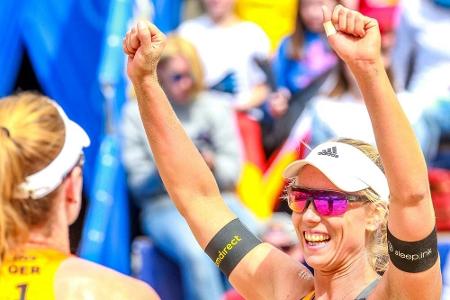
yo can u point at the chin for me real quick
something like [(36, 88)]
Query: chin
[(317, 256), (315, 262)]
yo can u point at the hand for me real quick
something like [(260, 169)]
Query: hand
[(143, 44), (357, 39)]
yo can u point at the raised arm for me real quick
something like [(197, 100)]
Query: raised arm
[(411, 214), (264, 272), (188, 180)]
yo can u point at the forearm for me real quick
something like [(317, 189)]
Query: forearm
[(400, 152), (186, 176), (179, 163)]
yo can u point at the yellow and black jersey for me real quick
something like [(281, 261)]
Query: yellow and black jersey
[(30, 275)]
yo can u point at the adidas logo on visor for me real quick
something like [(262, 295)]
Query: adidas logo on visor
[(329, 152)]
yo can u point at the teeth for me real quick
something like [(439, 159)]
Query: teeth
[(316, 237)]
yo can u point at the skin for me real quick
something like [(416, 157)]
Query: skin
[(341, 258), (179, 91), (265, 272), (77, 278)]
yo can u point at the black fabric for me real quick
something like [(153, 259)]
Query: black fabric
[(413, 257), (230, 245), (276, 132)]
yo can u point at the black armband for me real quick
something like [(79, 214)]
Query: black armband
[(413, 257), (230, 245)]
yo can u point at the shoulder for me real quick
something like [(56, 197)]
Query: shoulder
[(80, 279)]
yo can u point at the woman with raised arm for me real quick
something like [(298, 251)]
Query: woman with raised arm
[(41, 158), (339, 193)]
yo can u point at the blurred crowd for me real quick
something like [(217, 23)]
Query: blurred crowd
[(255, 85)]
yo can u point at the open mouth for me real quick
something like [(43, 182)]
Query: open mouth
[(316, 239)]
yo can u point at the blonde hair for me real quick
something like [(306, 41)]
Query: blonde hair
[(177, 46), (32, 134), (377, 246)]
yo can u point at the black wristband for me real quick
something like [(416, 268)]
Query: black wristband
[(230, 245), (413, 257)]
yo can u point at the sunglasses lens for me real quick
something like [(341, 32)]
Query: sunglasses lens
[(326, 203), (297, 200), (330, 203)]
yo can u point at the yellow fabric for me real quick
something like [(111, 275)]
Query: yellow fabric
[(310, 296), (276, 18), (260, 192), (30, 275), (249, 190)]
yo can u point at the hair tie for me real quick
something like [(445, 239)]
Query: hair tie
[(6, 131)]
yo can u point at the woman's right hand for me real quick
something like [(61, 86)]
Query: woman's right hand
[(143, 44)]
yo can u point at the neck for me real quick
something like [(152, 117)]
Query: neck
[(56, 237), (347, 282)]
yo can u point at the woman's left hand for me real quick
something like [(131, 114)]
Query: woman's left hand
[(357, 38)]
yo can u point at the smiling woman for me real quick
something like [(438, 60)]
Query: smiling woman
[(340, 193), (334, 193)]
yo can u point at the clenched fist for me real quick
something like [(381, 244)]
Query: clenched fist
[(143, 44), (356, 39)]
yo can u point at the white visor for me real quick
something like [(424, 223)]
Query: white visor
[(345, 166), (45, 181)]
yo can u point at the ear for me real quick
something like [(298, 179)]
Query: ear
[(74, 186), (375, 216)]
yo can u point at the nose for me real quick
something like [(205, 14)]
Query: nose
[(310, 215)]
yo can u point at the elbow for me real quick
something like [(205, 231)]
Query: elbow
[(413, 196)]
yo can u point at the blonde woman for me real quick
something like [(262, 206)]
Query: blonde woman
[(41, 157), (339, 194)]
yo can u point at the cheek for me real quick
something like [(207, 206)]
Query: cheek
[(354, 226), (296, 221)]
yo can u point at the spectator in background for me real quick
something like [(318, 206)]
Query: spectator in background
[(421, 57), (276, 18), (231, 50), (228, 48), (208, 120), (41, 158), (300, 66), (304, 55)]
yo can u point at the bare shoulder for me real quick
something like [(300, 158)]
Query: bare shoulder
[(80, 279)]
